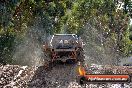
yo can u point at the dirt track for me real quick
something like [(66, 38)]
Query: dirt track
[(60, 76)]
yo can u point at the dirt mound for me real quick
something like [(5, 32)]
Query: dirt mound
[(60, 76)]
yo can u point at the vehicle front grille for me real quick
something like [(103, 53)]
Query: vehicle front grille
[(68, 46)]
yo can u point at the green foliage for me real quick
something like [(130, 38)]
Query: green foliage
[(6, 47), (66, 16)]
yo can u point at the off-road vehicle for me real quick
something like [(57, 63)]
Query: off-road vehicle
[(64, 47)]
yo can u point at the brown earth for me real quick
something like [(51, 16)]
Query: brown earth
[(60, 76)]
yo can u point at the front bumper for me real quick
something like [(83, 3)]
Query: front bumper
[(58, 50)]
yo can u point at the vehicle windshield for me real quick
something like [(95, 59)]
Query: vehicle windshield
[(60, 39), (63, 41), (64, 37)]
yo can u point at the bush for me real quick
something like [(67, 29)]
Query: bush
[(6, 48)]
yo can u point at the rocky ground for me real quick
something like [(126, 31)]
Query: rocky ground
[(60, 76)]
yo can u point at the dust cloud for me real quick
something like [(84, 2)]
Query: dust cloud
[(29, 50)]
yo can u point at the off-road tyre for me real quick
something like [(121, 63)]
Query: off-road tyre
[(80, 55)]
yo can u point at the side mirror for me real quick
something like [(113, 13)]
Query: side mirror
[(45, 47)]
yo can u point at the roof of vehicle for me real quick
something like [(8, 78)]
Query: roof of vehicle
[(65, 34)]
